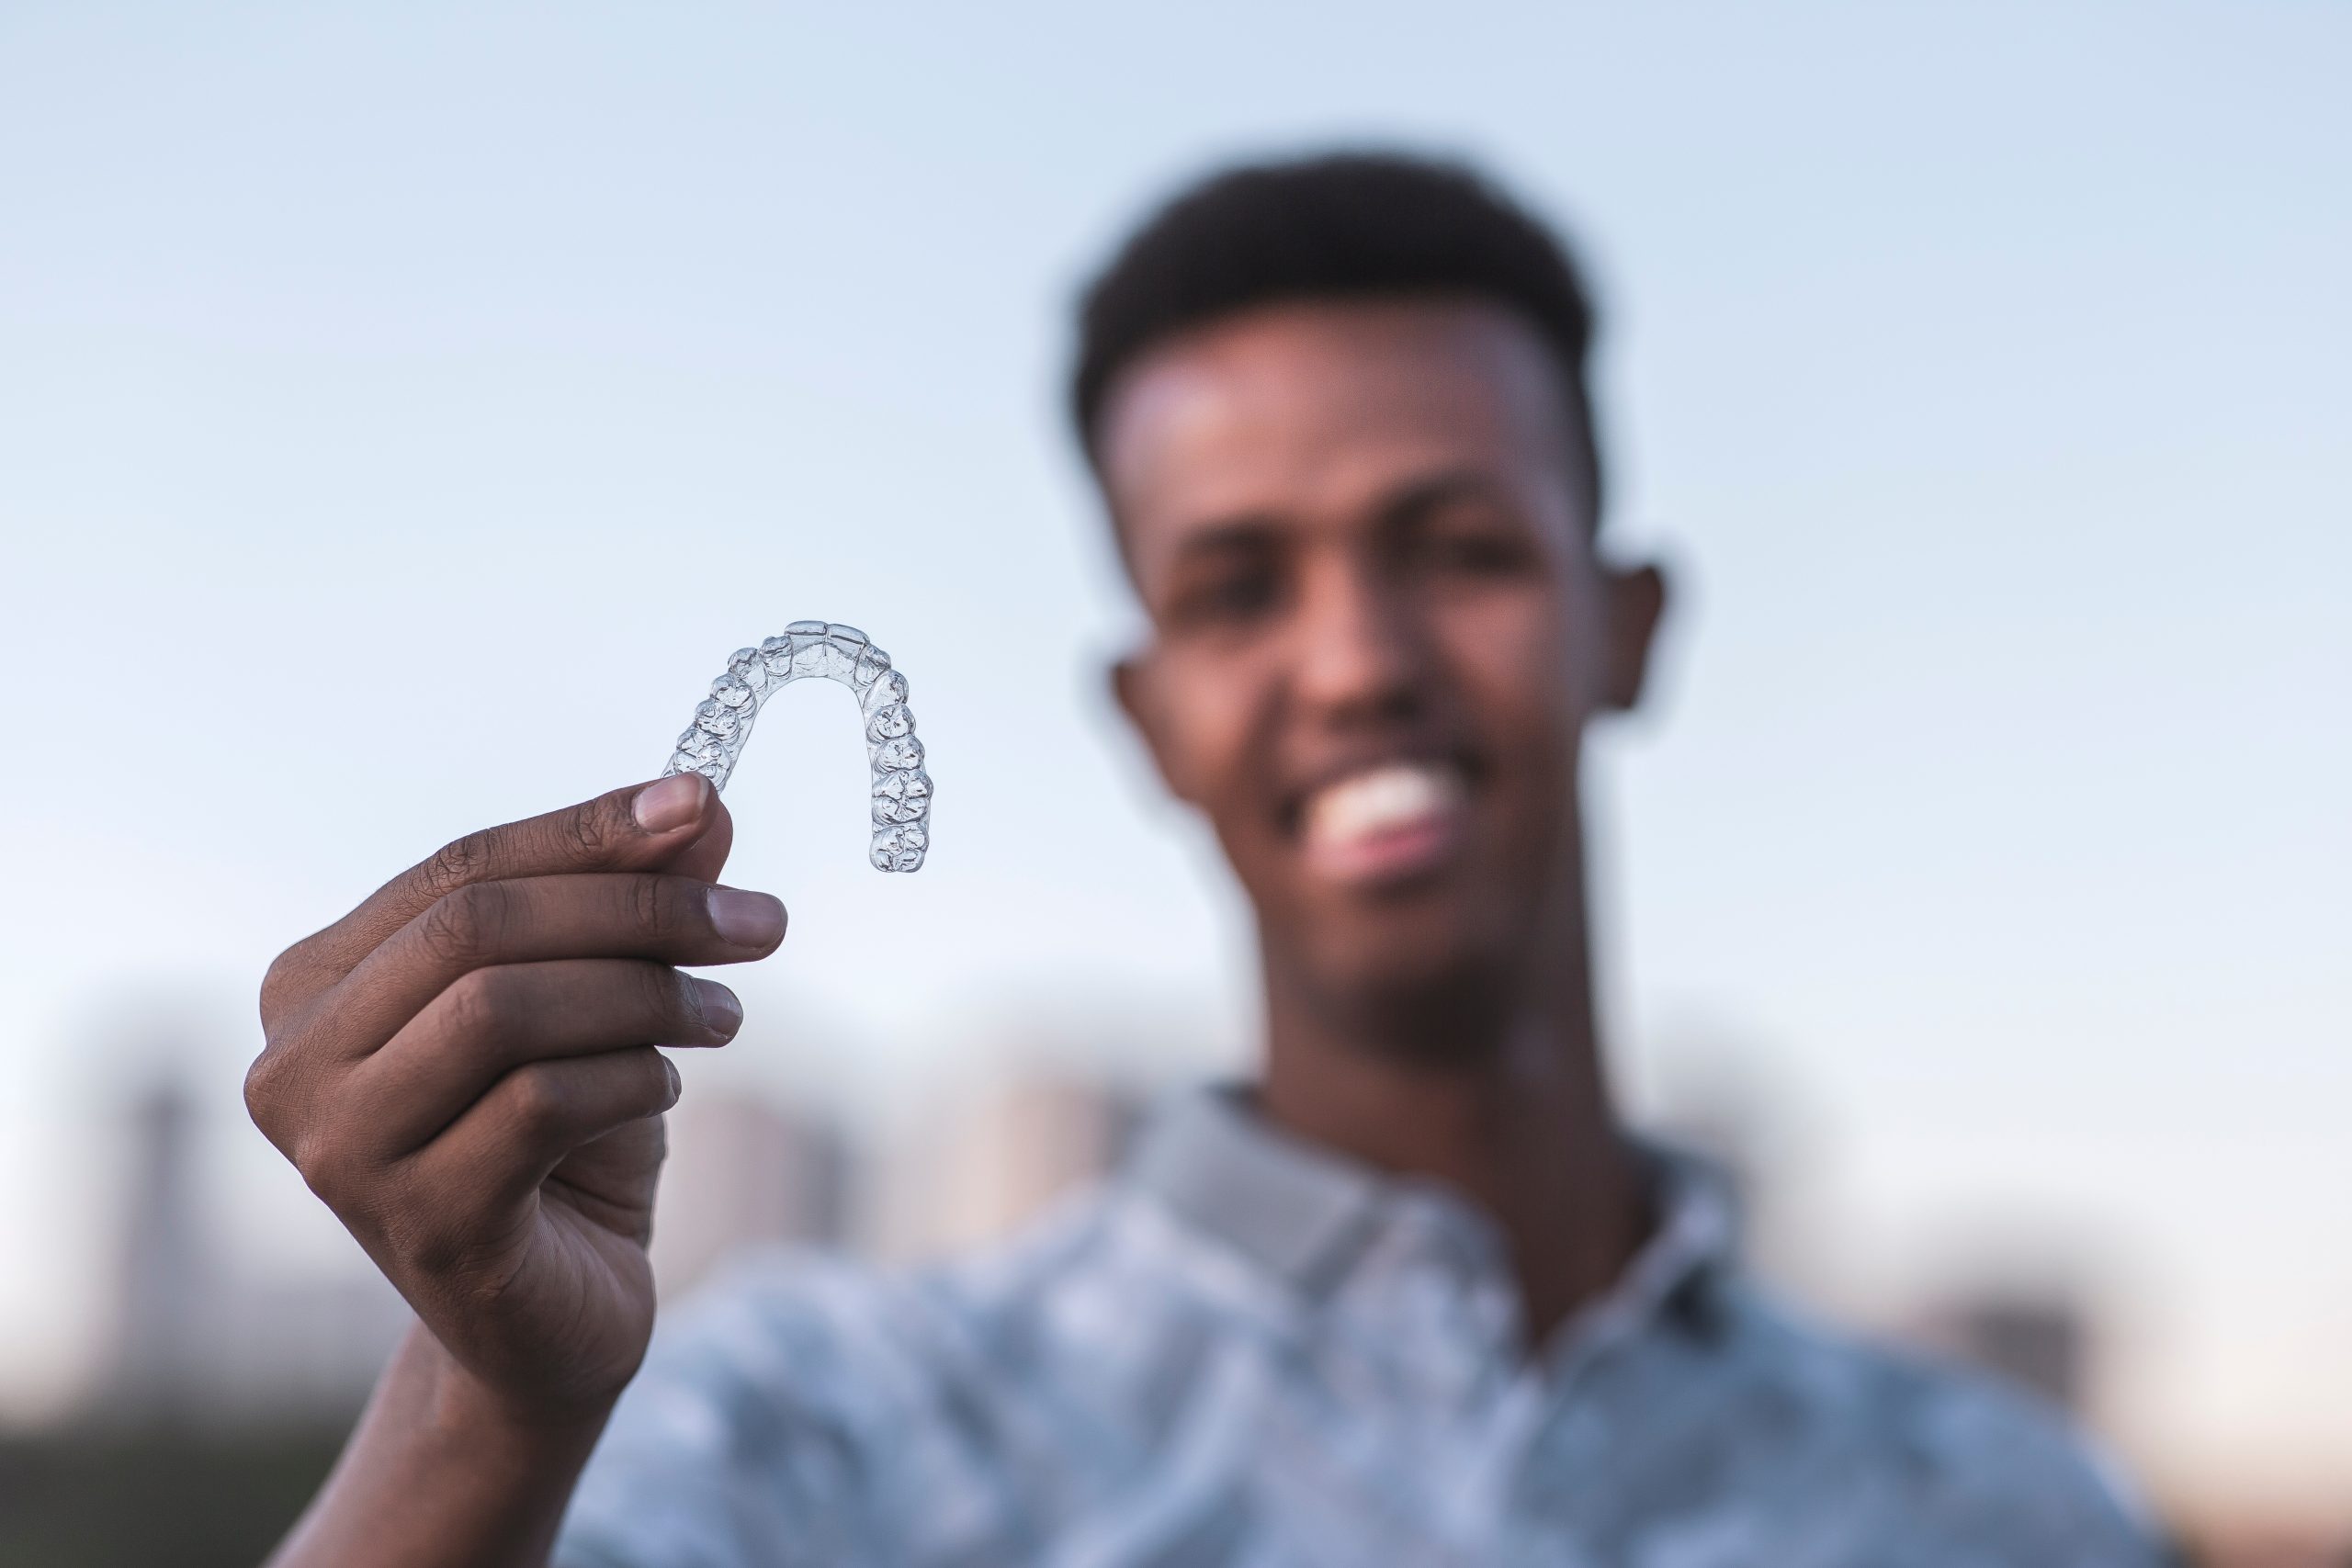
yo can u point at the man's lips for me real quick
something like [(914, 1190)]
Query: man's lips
[(1383, 823)]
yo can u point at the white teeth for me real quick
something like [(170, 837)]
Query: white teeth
[(1383, 798)]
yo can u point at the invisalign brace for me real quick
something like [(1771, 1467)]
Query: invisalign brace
[(901, 789)]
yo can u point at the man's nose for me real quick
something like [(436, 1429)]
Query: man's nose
[(1360, 652)]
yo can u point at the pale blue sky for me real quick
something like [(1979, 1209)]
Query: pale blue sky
[(405, 410)]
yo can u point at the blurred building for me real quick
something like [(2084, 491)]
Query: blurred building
[(199, 1342), (982, 1164), (202, 1345), (743, 1172), (167, 1286), (2041, 1341), (197, 1339)]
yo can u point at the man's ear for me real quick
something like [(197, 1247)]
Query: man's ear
[(1635, 601), (1132, 685)]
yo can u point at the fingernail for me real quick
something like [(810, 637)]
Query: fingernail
[(721, 1013), (668, 803), (747, 920), (676, 1085)]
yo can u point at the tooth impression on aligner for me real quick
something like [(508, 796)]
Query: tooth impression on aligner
[(712, 743)]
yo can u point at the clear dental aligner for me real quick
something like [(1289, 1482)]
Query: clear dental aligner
[(712, 744)]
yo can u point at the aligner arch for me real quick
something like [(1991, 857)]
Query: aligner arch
[(901, 794)]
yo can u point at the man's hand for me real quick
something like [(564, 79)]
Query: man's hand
[(464, 1069)]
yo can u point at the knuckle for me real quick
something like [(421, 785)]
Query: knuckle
[(459, 863), (476, 1005), (536, 1098), (324, 1178), (265, 1092), (653, 1077), (329, 1171), (319, 1142), (653, 904), (460, 928), (591, 832), (280, 983), (667, 996), (445, 929)]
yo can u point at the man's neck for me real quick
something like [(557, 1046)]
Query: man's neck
[(1520, 1123)]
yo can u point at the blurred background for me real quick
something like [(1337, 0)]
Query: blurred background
[(404, 410)]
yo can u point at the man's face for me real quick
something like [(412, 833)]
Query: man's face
[(1379, 626)]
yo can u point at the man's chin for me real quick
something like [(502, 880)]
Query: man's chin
[(1424, 1000)]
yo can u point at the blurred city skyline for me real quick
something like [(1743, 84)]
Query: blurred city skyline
[(208, 1356), (402, 414)]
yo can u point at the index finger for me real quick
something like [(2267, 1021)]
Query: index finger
[(674, 823)]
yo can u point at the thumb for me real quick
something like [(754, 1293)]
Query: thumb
[(704, 855)]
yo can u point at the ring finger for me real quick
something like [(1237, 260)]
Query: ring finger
[(491, 1020)]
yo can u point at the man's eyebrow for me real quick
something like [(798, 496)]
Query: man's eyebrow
[(1245, 533)]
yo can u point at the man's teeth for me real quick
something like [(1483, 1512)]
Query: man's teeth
[(1377, 801)]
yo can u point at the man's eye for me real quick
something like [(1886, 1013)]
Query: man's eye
[(1481, 552), (1229, 596)]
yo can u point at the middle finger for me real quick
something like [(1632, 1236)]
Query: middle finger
[(671, 919), (494, 1020)]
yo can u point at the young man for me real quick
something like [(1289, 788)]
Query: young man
[(1412, 1297)]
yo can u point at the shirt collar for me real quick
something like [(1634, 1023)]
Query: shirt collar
[(1296, 1211), (1303, 1214)]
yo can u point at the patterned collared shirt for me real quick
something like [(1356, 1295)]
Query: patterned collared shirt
[(1243, 1352)]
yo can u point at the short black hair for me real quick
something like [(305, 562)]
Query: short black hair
[(1335, 226)]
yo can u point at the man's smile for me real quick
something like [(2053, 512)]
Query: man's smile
[(1384, 823)]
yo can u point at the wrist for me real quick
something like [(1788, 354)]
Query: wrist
[(446, 1469), (461, 1405)]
